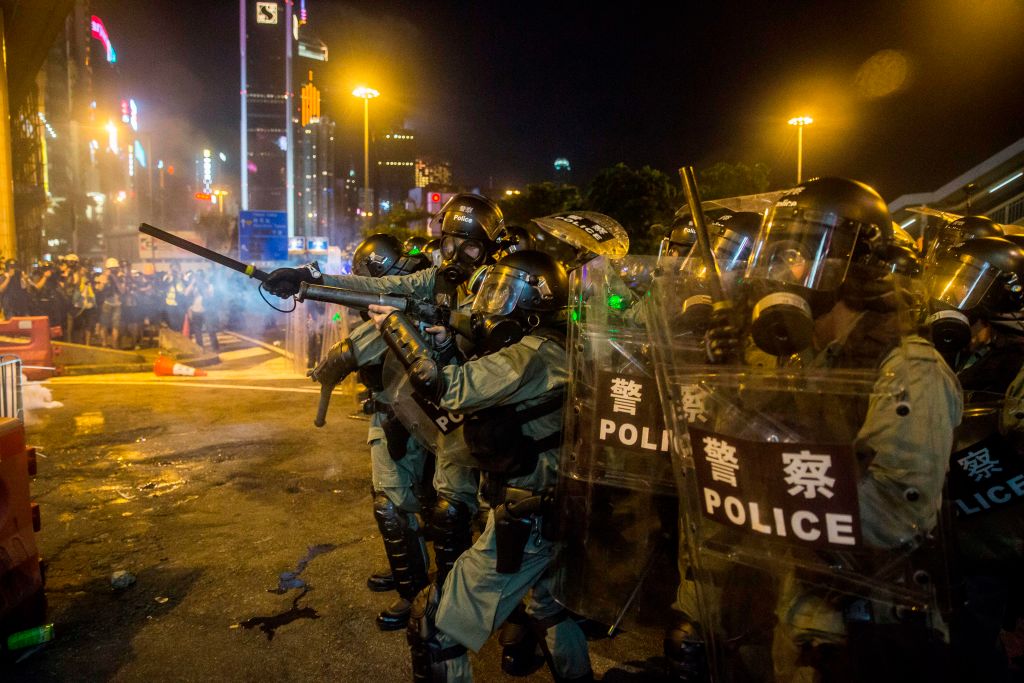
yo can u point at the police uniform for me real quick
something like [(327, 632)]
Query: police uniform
[(477, 598), (455, 483)]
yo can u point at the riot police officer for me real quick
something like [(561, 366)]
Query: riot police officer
[(512, 399), (822, 311), (470, 224), (977, 284), (396, 460)]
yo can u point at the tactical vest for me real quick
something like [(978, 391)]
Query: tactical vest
[(495, 435)]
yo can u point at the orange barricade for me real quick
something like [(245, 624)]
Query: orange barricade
[(29, 339), (21, 584)]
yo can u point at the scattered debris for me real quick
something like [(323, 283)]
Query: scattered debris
[(162, 600), (121, 579)]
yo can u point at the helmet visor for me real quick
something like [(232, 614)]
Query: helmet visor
[(811, 250), (963, 283), (499, 293)]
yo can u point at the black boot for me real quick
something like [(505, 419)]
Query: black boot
[(520, 651), (407, 558), (395, 616), (381, 581)]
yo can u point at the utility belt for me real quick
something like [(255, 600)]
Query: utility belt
[(515, 514)]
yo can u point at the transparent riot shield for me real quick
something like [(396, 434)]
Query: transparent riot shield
[(986, 493), (811, 478), (617, 490)]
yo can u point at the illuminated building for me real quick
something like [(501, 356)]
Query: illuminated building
[(563, 170), (993, 188), (267, 32), (433, 173), (315, 182), (396, 166)]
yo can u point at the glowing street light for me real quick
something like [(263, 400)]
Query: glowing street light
[(800, 122), (367, 94)]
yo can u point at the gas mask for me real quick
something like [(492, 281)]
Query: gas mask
[(955, 288), (509, 305), (730, 250), (798, 265), (460, 257)]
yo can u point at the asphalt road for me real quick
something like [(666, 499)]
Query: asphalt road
[(206, 490)]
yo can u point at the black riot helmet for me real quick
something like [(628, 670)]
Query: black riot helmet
[(470, 225), (522, 291), (681, 239), (808, 242), (979, 279), (732, 235), (960, 230), (383, 254), (414, 245)]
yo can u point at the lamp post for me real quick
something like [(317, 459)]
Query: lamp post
[(367, 94), (800, 122)]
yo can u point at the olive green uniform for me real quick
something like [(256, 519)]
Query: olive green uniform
[(476, 599)]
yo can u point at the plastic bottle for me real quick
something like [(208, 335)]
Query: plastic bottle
[(30, 637)]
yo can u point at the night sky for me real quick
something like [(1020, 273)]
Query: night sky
[(905, 95)]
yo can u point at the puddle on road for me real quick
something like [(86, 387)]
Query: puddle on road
[(286, 582), (270, 624), (89, 423), (289, 580)]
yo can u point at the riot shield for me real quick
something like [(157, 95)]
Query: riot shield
[(811, 478), (986, 490), (590, 233), (617, 489), (433, 427)]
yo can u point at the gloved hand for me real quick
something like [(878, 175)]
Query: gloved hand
[(284, 282), (340, 361), (722, 340)]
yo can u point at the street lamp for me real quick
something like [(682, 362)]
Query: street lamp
[(367, 94), (800, 122)]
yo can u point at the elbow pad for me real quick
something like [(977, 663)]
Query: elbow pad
[(423, 370)]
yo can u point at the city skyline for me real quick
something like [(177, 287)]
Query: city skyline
[(501, 93)]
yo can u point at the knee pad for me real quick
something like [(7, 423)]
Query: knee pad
[(402, 545), (451, 533)]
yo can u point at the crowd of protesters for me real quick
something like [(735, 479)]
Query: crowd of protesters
[(116, 304)]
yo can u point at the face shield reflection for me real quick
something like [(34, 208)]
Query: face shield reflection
[(811, 251), (498, 295), (962, 284)]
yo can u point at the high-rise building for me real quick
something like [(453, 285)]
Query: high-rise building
[(430, 172), (267, 29), (315, 157), (396, 167)]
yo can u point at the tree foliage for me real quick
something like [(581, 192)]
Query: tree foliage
[(399, 222), (725, 179), (540, 199), (636, 198)]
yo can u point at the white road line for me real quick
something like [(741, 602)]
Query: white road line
[(173, 383), (242, 353)]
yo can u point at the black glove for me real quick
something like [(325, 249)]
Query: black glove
[(284, 282), (722, 340), (340, 361)]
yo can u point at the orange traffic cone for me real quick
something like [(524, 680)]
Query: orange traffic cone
[(165, 366)]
